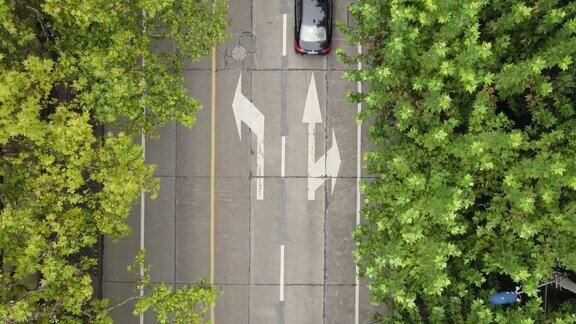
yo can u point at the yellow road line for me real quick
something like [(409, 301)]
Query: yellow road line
[(212, 172)]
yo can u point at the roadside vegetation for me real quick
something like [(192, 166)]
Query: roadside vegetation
[(67, 67), (473, 106)]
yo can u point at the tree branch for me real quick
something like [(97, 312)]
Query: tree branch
[(122, 303)]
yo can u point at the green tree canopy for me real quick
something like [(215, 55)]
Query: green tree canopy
[(66, 67), (474, 106)]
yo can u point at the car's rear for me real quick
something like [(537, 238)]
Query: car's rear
[(313, 26)]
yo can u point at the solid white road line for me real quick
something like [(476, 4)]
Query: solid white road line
[(282, 272), (142, 220), (284, 19), (142, 205), (283, 158), (358, 198), (142, 194), (213, 174)]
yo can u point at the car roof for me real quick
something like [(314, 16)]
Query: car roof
[(315, 12)]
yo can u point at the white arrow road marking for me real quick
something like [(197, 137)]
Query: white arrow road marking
[(333, 161), (245, 111), (327, 165), (312, 112)]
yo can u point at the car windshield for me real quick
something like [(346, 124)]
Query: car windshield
[(315, 12), (313, 33)]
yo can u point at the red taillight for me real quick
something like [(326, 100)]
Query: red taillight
[(297, 47), (327, 49)]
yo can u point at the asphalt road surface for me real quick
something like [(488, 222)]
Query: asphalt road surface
[(286, 172)]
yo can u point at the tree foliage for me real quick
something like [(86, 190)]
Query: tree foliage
[(66, 67), (474, 106), (186, 305)]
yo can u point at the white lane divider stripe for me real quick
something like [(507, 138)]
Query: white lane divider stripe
[(358, 198), (142, 194), (284, 19), (142, 221), (142, 204), (282, 272)]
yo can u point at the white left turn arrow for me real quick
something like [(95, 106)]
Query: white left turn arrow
[(328, 165), (245, 111)]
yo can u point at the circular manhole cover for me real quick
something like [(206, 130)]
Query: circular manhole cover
[(239, 53)]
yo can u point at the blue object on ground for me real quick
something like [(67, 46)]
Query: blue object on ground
[(504, 298)]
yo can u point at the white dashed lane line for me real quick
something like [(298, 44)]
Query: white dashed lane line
[(284, 31)]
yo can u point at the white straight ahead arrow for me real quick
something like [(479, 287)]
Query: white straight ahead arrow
[(245, 111), (327, 165)]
